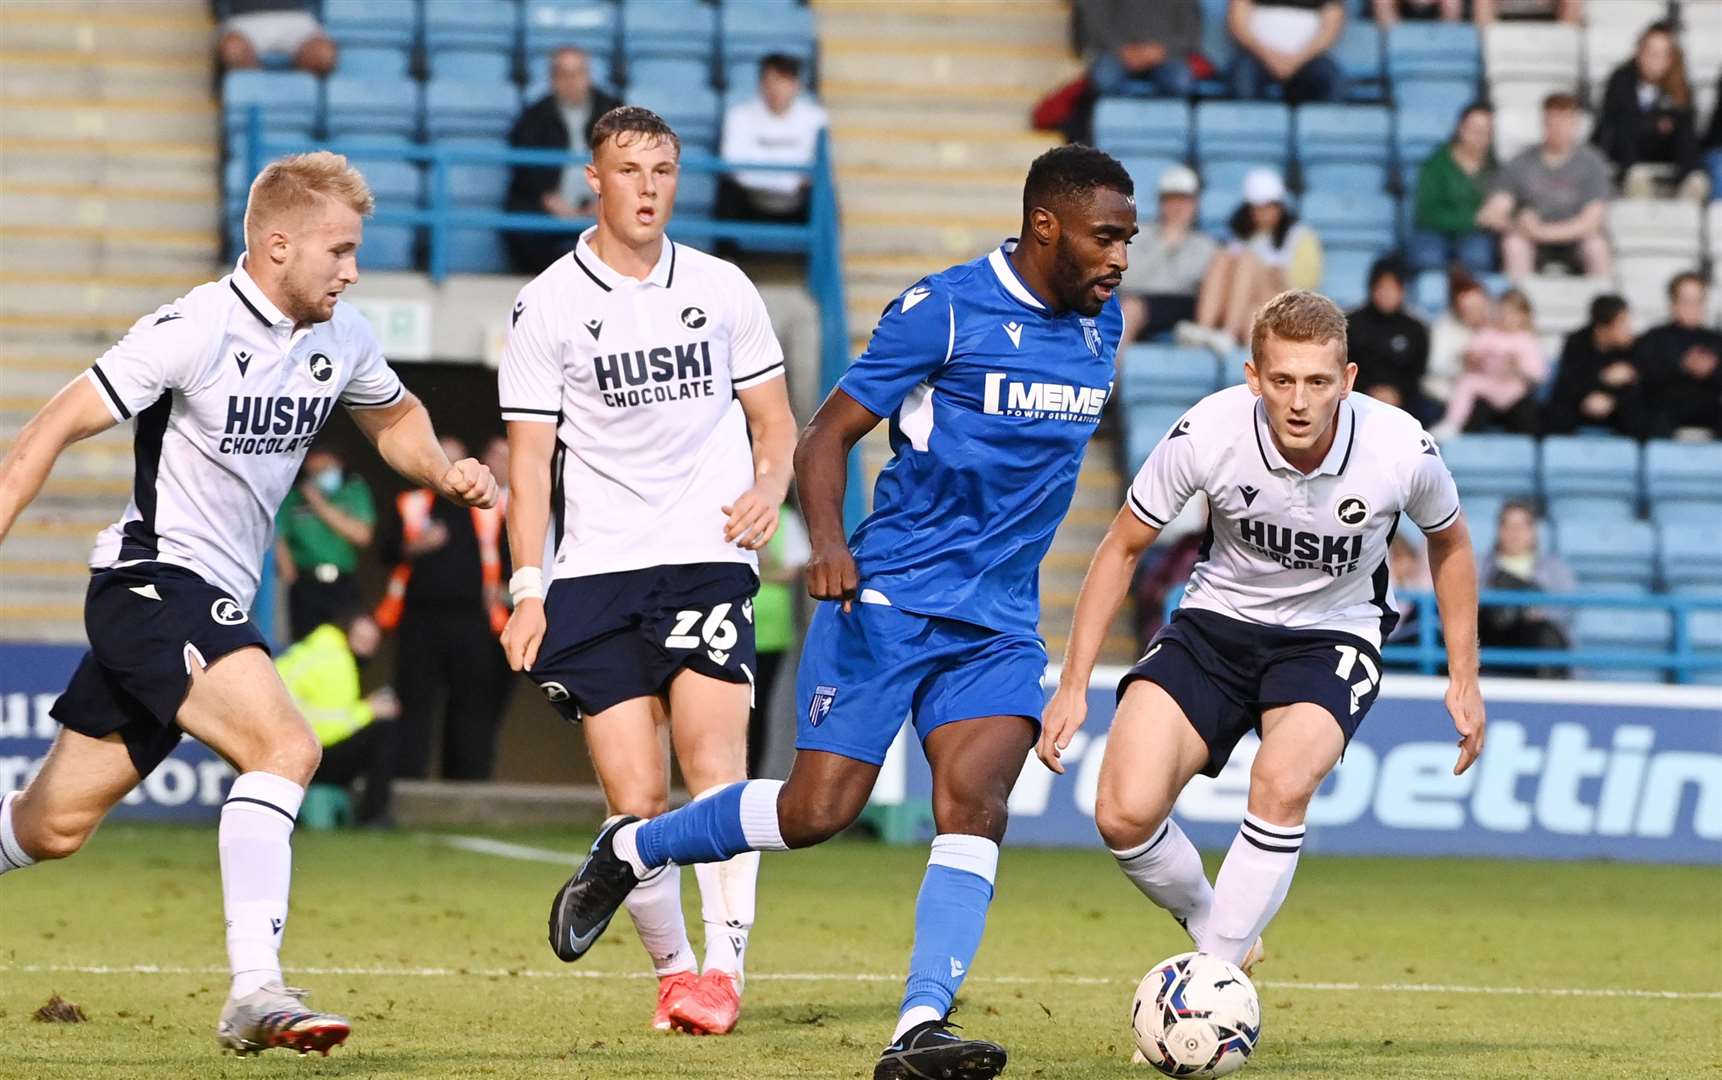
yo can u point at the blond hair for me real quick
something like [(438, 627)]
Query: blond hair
[(293, 185), (1298, 315)]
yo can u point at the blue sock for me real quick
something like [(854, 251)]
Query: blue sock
[(950, 915), (741, 817)]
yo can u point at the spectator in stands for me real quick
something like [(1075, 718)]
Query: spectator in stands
[(1467, 313), (1140, 50), (1168, 260), (355, 730), (1518, 562), (1647, 118), (256, 31), (1680, 360), (321, 527), (445, 598), (1712, 145), (1270, 251), (1598, 383), (1451, 187), (1285, 42), (1504, 365), (779, 126), (561, 120), (1567, 11), (1408, 572), (1389, 13), (1389, 345), (1548, 202)]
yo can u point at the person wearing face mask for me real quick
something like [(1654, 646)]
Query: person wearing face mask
[(326, 520), (355, 729)]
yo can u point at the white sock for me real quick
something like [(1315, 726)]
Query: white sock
[(726, 905), (1251, 886), (911, 1017), (656, 906), (255, 839), (12, 854), (1169, 872)]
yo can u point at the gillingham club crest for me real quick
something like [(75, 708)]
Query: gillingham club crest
[(1091, 336), (820, 707)]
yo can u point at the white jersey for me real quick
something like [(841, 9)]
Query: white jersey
[(227, 396), (1291, 550), (640, 378)]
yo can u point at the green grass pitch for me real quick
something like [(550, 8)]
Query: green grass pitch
[(1376, 967)]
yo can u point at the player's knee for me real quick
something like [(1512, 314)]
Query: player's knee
[(1281, 791), (977, 813), (296, 757), (1123, 826), (236, 52), (815, 824), (55, 838), (641, 804)]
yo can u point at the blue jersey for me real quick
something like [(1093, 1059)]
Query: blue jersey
[(992, 398)]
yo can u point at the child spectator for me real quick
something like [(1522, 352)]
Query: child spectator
[(1503, 367), (1467, 313)]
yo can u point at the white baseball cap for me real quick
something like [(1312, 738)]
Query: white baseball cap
[(1179, 180), (1263, 186)]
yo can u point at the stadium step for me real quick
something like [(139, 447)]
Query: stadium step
[(74, 166), (144, 120), (22, 204), (179, 32), (966, 23), (114, 75), (936, 148), (116, 295), (954, 64)]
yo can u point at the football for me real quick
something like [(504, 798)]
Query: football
[(1196, 1015)]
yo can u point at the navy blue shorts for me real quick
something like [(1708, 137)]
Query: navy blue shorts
[(864, 671), (147, 625), (610, 638), (1224, 672)]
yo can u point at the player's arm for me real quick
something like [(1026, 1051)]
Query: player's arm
[(531, 449), (404, 437), (753, 516), (1432, 503), (822, 472), (1103, 590), (75, 413)]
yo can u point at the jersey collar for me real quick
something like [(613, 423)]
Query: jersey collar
[(1010, 280), (260, 306), (1338, 455), (662, 275)]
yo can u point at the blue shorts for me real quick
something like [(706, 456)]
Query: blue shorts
[(1224, 672), (864, 672)]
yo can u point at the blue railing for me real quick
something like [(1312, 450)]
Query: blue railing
[(1428, 654), (820, 238)]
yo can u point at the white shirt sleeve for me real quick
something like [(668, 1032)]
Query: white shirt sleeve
[(1168, 479), (1431, 496), (755, 357), (529, 380), (374, 384), (161, 352)]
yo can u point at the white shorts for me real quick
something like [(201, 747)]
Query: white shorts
[(275, 32)]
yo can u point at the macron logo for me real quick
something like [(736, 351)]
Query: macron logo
[(1014, 329), (957, 968), (148, 592), (1043, 401), (912, 297)]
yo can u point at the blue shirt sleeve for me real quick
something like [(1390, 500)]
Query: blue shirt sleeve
[(914, 338)]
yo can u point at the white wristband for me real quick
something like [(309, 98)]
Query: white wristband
[(527, 583)]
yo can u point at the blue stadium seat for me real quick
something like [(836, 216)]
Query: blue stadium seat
[(376, 61), (1682, 470), (290, 101), (669, 28), (472, 65), (360, 106), (476, 251), (1704, 637), (603, 72), (476, 183), (1634, 631), (1214, 209), (1358, 222), (1168, 375), (1345, 274), (670, 75), (1343, 133), (1687, 511), (1344, 178), (752, 28), (469, 108), (492, 25), (589, 25), (1358, 54), (1242, 130), (1217, 46), (1611, 551), (1144, 427), (1689, 554), (366, 22), (1482, 514), (1429, 292), (1578, 511), (1131, 127), (397, 184), (692, 111), (1145, 173), (389, 247), (1590, 465), (1434, 50), (1500, 465)]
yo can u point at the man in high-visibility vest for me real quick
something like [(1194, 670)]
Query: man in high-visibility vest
[(356, 730), (446, 602)]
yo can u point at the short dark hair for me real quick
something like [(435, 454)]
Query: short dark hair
[(1517, 503), (1072, 172), (782, 63), (1682, 278), (632, 120), (1605, 309), (1387, 266), (1560, 101)]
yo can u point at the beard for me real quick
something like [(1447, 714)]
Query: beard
[(1074, 288)]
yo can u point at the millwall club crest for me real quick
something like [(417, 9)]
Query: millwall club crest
[(820, 707), (1091, 336)]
